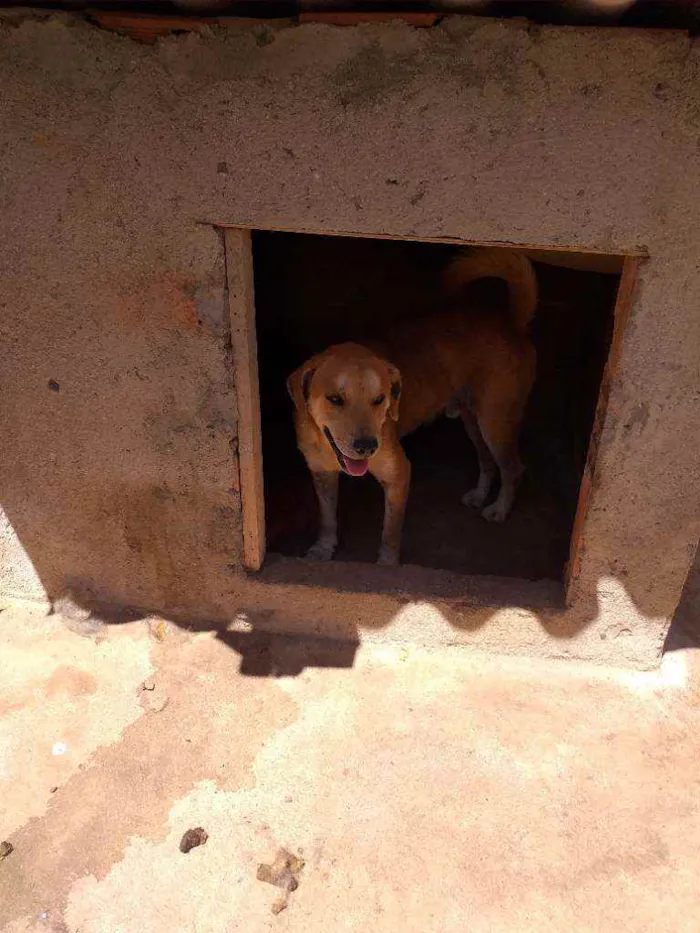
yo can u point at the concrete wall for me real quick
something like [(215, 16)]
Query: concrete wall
[(118, 414)]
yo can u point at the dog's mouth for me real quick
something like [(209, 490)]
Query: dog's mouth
[(347, 464)]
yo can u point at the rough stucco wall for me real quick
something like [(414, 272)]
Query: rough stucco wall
[(113, 153), (120, 480)]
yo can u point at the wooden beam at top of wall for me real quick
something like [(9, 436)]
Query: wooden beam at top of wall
[(149, 27), (357, 17), (145, 27)]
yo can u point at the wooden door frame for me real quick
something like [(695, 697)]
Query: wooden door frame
[(621, 313), (244, 348), (241, 301)]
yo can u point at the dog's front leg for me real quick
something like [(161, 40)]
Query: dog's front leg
[(395, 477), (326, 485)]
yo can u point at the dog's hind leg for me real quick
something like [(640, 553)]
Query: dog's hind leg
[(326, 485), (477, 496), (500, 436), (499, 407), (511, 469)]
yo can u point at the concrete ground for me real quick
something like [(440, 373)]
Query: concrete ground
[(423, 791)]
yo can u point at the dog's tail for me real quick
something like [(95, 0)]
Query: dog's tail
[(507, 264)]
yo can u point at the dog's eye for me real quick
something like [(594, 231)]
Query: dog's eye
[(336, 400), (378, 400)]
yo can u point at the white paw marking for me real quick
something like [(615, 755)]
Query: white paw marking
[(495, 513), (387, 557), (322, 550), (474, 498)]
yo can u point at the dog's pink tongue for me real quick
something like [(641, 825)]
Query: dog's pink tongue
[(356, 467)]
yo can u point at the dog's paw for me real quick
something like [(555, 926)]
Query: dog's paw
[(387, 557), (322, 550), (495, 513), (475, 498)]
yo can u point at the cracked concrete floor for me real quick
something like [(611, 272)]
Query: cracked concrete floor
[(423, 791)]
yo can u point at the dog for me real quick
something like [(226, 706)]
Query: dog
[(353, 403)]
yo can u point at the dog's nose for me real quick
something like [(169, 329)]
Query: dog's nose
[(365, 446)]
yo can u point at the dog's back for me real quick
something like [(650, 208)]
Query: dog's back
[(446, 353)]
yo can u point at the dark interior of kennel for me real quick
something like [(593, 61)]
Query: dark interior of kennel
[(311, 291)]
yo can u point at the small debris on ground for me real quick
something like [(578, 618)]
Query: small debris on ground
[(158, 628), (153, 700), (282, 873), (5, 849), (280, 903), (152, 697), (193, 838)]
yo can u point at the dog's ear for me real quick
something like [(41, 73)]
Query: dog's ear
[(394, 392), (299, 385)]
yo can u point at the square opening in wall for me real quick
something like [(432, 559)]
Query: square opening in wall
[(314, 291)]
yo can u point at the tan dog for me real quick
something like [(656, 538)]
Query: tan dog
[(353, 403)]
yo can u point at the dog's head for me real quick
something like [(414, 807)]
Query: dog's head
[(348, 392)]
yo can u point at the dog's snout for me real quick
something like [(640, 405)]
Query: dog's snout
[(365, 446)]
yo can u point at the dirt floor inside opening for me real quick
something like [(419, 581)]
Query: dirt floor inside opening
[(311, 291)]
